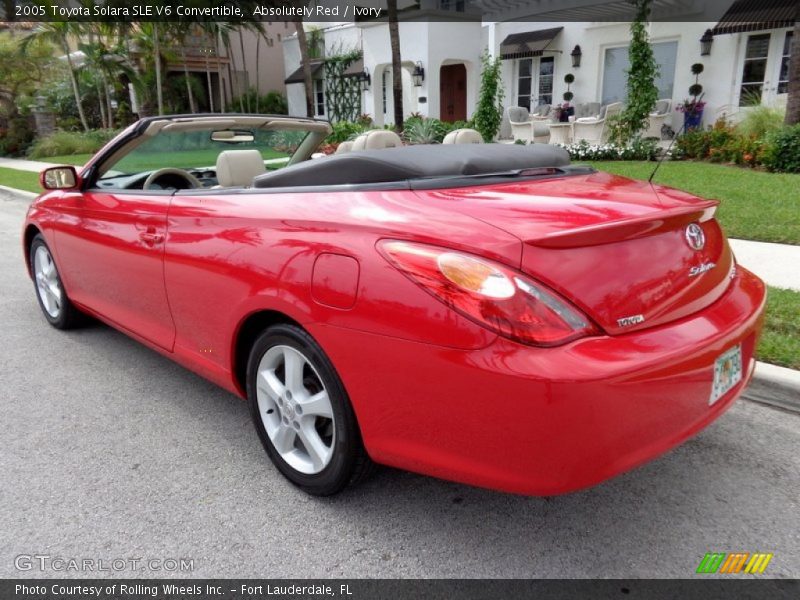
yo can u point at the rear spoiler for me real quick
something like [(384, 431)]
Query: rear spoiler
[(628, 229)]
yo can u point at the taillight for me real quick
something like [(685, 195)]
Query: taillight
[(496, 297)]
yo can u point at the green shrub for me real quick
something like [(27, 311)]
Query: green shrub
[(272, 103), (15, 139), (63, 143), (423, 131), (345, 130), (781, 150), (760, 120)]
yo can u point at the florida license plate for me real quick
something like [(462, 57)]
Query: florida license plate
[(727, 373)]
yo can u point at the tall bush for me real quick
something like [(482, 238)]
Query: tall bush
[(489, 112), (641, 87)]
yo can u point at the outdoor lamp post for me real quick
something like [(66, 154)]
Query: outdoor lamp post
[(418, 75), (576, 56), (705, 43)]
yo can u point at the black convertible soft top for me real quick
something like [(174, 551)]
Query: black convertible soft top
[(414, 162)]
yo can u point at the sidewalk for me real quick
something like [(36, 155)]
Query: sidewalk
[(19, 164), (776, 264)]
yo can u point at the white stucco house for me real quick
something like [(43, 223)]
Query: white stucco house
[(745, 53)]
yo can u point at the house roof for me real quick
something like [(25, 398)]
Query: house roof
[(297, 76), (757, 15), (528, 43)]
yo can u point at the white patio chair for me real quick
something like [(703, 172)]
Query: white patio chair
[(595, 131), (658, 118), (522, 128)]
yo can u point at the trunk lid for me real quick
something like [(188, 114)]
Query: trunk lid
[(617, 248)]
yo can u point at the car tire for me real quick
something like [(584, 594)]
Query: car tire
[(302, 413), (53, 300)]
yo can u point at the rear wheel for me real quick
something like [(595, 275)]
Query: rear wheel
[(53, 300), (302, 413)]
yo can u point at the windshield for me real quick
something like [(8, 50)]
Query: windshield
[(196, 153)]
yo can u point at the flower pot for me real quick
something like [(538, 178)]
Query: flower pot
[(692, 120)]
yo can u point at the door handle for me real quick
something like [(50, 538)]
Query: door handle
[(151, 237)]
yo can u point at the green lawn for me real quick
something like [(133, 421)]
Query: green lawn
[(754, 205), (21, 180), (780, 342)]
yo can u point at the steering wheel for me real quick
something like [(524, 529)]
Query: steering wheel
[(191, 180)]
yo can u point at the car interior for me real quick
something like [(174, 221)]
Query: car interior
[(243, 152)]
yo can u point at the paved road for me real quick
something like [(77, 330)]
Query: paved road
[(109, 451)]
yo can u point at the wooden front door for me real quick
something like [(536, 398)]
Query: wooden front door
[(453, 93)]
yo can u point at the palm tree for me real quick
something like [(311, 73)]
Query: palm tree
[(180, 31), (157, 59), (302, 41), (793, 101), (397, 73), (58, 33)]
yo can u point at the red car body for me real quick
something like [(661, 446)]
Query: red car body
[(192, 276)]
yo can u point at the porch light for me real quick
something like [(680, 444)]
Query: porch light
[(705, 43), (418, 75), (576, 56), (365, 80)]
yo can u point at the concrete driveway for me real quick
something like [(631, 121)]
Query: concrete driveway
[(110, 452)]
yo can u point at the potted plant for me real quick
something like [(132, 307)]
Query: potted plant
[(692, 108), (566, 109)]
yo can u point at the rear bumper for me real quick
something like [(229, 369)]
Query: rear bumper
[(544, 421)]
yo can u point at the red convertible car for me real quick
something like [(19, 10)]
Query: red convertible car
[(484, 313)]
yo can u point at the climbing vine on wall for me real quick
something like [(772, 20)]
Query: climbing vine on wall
[(342, 92)]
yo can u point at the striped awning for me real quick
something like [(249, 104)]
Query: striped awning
[(527, 44), (757, 15), (297, 76)]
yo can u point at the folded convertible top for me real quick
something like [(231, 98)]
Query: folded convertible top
[(414, 162)]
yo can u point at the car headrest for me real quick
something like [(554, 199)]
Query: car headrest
[(463, 136), (376, 139), (239, 167)]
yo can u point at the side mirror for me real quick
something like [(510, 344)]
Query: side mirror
[(59, 178)]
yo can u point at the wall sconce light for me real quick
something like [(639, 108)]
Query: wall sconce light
[(705, 43), (576, 56), (365, 79), (418, 75)]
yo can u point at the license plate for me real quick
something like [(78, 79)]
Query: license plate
[(727, 373)]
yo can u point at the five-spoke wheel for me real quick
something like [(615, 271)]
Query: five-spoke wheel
[(53, 299), (302, 413)]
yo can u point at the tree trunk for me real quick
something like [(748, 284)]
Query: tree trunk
[(188, 83), (244, 70), (157, 59), (208, 82), (101, 102), (302, 41), (397, 73), (258, 71), (75, 89), (793, 101), (220, 78), (231, 71)]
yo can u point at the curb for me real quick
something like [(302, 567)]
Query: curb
[(775, 386), (15, 192)]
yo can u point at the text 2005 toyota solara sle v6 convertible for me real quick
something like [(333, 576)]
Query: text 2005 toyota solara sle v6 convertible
[(483, 313)]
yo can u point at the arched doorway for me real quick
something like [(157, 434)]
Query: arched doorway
[(453, 93)]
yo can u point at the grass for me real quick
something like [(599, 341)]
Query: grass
[(755, 205), (21, 180), (780, 341)]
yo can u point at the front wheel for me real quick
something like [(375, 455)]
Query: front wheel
[(53, 300), (302, 413)]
